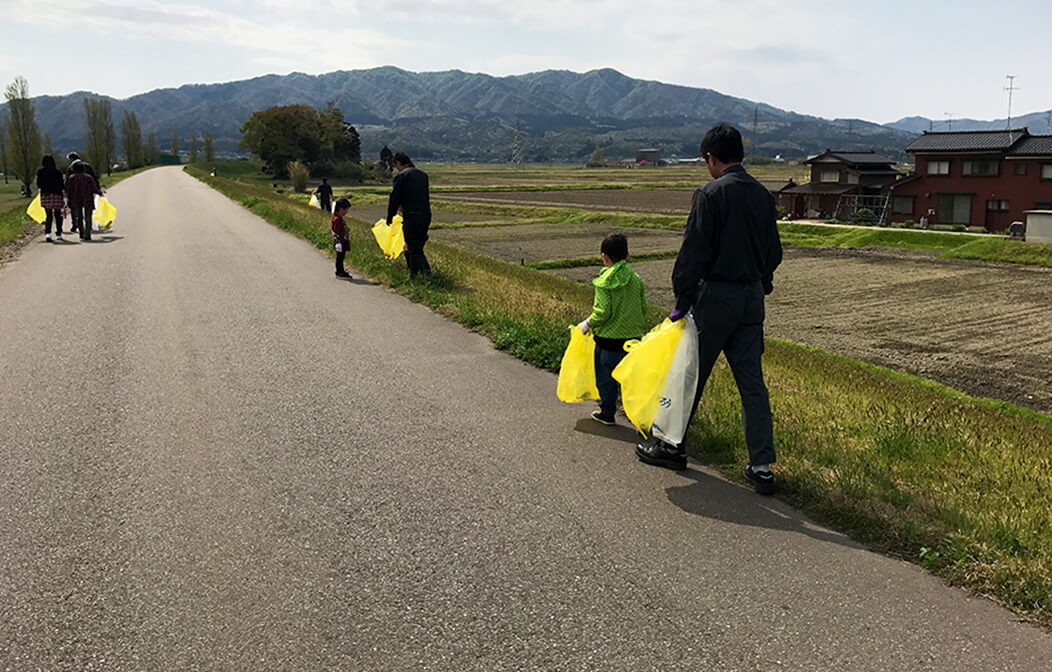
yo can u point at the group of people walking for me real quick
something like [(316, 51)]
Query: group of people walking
[(76, 189)]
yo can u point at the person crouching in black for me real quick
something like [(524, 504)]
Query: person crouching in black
[(411, 196)]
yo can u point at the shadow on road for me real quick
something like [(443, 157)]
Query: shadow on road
[(715, 498), (721, 500), (618, 432), (358, 281)]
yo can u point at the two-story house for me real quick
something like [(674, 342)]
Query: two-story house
[(842, 183), (975, 178)]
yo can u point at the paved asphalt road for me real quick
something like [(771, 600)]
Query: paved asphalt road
[(216, 456)]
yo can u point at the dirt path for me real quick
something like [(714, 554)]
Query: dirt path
[(982, 328)]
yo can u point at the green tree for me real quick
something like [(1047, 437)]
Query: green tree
[(175, 143), (131, 141), (153, 154), (23, 134), (210, 148), (596, 159), (340, 140), (192, 158), (3, 147), (387, 158), (101, 147), (46, 147), (279, 135)]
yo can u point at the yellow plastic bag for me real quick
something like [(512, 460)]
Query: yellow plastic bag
[(390, 238), (104, 213), (644, 371), (314, 202), (577, 370), (36, 211)]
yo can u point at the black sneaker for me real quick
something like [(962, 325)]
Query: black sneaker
[(763, 480), (345, 274), (603, 419), (660, 454)]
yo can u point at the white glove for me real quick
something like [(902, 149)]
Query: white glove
[(339, 248), (585, 327)]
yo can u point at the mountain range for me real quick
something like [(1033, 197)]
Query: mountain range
[(454, 115)]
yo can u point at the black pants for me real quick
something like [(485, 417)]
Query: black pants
[(82, 220), (339, 260), (323, 201), (57, 216), (730, 320), (415, 234)]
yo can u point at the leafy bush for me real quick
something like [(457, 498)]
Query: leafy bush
[(908, 224), (959, 227), (299, 173)]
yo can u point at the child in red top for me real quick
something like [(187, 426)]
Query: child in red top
[(340, 236)]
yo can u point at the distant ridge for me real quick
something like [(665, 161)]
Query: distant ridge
[(454, 115)]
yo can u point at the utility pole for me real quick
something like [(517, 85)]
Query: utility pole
[(1048, 121), (516, 147)]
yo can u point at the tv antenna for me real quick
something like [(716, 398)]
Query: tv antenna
[(1010, 89), (949, 120)]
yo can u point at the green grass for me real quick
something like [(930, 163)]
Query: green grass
[(915, 469), (950, 245), (999, 249)]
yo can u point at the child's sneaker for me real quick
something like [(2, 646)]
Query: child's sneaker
[(47, 237), (602, 419)]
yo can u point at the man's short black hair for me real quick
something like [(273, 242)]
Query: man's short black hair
[(402, 158), (615, 246), (342, 203), (724, 142)]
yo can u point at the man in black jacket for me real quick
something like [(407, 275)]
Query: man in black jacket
[(411, 196), (724, 269)]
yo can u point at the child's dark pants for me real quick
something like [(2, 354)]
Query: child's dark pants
[(605, 363)]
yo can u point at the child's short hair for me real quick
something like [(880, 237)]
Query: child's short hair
[(615, 246), (342, 203)]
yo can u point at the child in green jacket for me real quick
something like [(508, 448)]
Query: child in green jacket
[(617, 316)]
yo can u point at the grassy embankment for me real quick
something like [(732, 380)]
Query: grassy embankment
[(14, 222), (905, 465)]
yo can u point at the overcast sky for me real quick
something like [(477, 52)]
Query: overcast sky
[(871, 60)]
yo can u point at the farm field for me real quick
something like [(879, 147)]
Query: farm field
[(660, 201), (539, 242), (978, 327), (450, 174)]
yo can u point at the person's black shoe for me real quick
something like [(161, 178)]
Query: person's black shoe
[(344, 274), (762, 480), (607, 420), (660, 454)]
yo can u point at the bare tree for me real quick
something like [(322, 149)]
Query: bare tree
[(47, 147), (175, 144), (193, 148), (131, 141), (210, 148), (23, 134), (153, 154), (101, 141)]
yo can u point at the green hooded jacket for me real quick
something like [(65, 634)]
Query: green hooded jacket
[(620, 303)]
